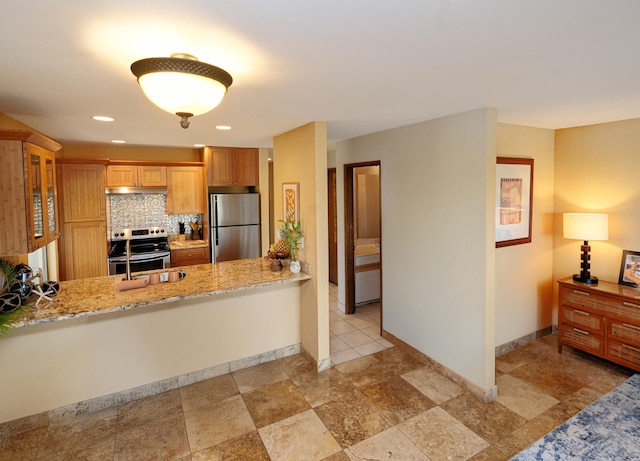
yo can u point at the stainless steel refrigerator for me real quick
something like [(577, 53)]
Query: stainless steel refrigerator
[(235, 226)]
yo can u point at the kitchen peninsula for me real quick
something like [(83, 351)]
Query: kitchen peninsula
[(96, 346)]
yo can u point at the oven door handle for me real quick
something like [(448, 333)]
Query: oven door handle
[(138, 259)]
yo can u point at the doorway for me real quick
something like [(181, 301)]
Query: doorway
[(362, 216)]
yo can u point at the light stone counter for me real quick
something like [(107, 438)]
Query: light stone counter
[(88, 297)]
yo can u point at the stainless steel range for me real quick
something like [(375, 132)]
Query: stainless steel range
[(148, 250)]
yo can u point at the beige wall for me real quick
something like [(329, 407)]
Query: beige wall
[(524, 282), (10, 123), (437, 199), (264, 199), (596, 170), (367, 197), (300, 156)]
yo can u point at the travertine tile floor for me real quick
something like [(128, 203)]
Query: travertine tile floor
[(385, 405), (354, 336)]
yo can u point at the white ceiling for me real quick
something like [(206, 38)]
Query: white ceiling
[(360, 65)]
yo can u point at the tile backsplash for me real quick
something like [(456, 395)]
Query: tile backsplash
[(145, 210)]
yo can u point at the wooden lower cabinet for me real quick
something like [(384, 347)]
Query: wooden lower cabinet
[(602, 319), (85, 250), (189, 256)]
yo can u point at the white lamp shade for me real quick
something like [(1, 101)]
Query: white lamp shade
[(181, 92), (585, 226)]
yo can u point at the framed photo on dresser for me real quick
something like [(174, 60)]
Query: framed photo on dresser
[(630, 268)]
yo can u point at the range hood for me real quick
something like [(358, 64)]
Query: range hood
[(135, 190)]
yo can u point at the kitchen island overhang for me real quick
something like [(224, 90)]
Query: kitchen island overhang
[(219, 316)]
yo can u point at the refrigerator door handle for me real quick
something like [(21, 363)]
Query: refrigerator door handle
[(215, 218)]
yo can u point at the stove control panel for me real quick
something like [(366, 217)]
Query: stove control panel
[(138, 233)]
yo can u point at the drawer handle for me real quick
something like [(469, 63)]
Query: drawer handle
[(578, 292), (581, 312), (631, 305), (635, 349), (582, 332), (633, 327)]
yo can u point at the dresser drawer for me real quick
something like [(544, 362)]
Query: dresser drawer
[(582, 339), (189, 256), (623, 331), (624, 354), (620, 307), (583, 319), (627, 309), (586, 300)]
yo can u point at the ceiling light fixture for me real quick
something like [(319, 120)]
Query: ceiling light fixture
[(181, 84), (223, 127)]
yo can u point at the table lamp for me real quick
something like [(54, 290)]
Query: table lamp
[(585, 227)]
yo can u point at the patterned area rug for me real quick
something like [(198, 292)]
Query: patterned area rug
[(608, 429)]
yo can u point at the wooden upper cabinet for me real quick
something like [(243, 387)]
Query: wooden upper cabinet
[(185, 190), (122, 175), (83, 192), (232, 166), (152, 175), (136, 176), (246, 167), (28, 197), (220, 170)]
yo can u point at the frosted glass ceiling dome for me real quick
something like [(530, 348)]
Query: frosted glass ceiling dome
[(181, 84)]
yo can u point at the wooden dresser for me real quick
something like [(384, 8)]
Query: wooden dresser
[(602, 319)]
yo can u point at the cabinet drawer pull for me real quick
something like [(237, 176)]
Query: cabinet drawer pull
[(581, 312), (634, 349), (582, 332), (578, 292), (631, 305), (633, 327)]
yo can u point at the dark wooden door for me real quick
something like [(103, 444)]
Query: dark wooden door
[(333, 226)]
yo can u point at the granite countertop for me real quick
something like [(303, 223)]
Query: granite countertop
[(99, 295), (184, 244)]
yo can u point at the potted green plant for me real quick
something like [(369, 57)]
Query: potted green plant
[(8, 273), (291, 232)]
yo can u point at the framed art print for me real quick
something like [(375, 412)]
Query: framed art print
[(514, 200), (291, 201)]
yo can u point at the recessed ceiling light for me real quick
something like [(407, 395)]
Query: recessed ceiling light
[(198, 145), (118, 141), (103, 118), (223, 127)]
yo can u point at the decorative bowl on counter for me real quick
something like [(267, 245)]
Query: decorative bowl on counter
[(278, 255)]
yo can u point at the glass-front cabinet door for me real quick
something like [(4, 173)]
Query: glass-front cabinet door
[(42, 223), (36, 192), (52, 209)]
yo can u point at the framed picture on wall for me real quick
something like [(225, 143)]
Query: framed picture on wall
[(291, 201), (630, 268), (514, 200)]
